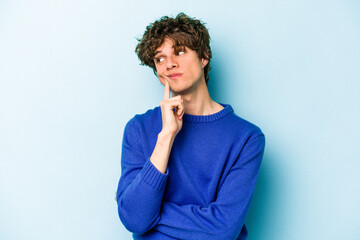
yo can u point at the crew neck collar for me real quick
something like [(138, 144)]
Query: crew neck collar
[(209, 118)]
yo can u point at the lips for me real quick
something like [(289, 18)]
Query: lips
[(174, 76)]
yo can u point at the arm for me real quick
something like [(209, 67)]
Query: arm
[(142, 183), (172, 124), (141, 186), (224, 218)]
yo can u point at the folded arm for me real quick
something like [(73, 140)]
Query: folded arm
[(142, 183), (224, 218)]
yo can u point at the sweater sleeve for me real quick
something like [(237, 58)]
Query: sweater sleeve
[(141, 186), (224, 218)]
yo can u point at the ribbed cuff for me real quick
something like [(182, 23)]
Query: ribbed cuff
[(152, 176)]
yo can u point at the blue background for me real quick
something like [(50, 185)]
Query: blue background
[(70, 80)]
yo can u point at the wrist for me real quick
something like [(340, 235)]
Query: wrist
[(161, 153), (166, 136)]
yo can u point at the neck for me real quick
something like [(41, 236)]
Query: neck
[(199, 102)]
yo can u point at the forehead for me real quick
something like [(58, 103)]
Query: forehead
[(167, 44)]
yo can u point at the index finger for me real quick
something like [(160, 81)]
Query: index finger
[(166, 90)]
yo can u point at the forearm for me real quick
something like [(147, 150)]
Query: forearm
[(140, 202), (196, 222), (161, 153)]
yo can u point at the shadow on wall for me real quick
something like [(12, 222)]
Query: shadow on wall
[(265, 211), (219, 83)]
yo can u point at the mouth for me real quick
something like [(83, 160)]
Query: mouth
[(174, 76)]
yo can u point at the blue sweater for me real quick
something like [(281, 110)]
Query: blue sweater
[(209, 182)]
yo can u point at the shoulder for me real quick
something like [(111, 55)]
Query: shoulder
[(246, 125), (151, 116), (242, 129), (241, 124)]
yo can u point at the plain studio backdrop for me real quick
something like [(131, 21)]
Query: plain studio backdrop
[(70, 80)]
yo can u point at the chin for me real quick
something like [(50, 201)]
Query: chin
[(181, 91)]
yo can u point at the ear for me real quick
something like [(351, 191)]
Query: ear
[(204, 62)]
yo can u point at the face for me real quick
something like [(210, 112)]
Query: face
[(183, 70)]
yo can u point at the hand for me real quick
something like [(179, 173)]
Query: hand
[(171, 120)]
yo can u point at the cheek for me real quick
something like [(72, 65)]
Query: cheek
[(160, 76), (158, 70), (162, 80), (195, 69), (194, 65)]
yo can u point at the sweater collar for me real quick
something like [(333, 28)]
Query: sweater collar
[(209, 118)]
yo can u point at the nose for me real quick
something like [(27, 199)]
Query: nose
[(171, 63)]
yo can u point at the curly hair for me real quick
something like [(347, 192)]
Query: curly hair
[(183, 31)]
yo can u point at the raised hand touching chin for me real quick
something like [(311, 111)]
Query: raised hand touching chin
[(172, 111)]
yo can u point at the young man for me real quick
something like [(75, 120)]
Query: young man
[(189, 166)]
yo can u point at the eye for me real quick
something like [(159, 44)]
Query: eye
[(180, 52), (159, 60)]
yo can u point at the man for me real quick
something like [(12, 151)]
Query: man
[(189, 167)]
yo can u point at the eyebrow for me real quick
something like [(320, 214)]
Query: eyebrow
[(156, 53)]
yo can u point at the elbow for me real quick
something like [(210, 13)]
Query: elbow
[(135, 228), (223, 235), (134, 225), (229, 233), (225, 232)]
